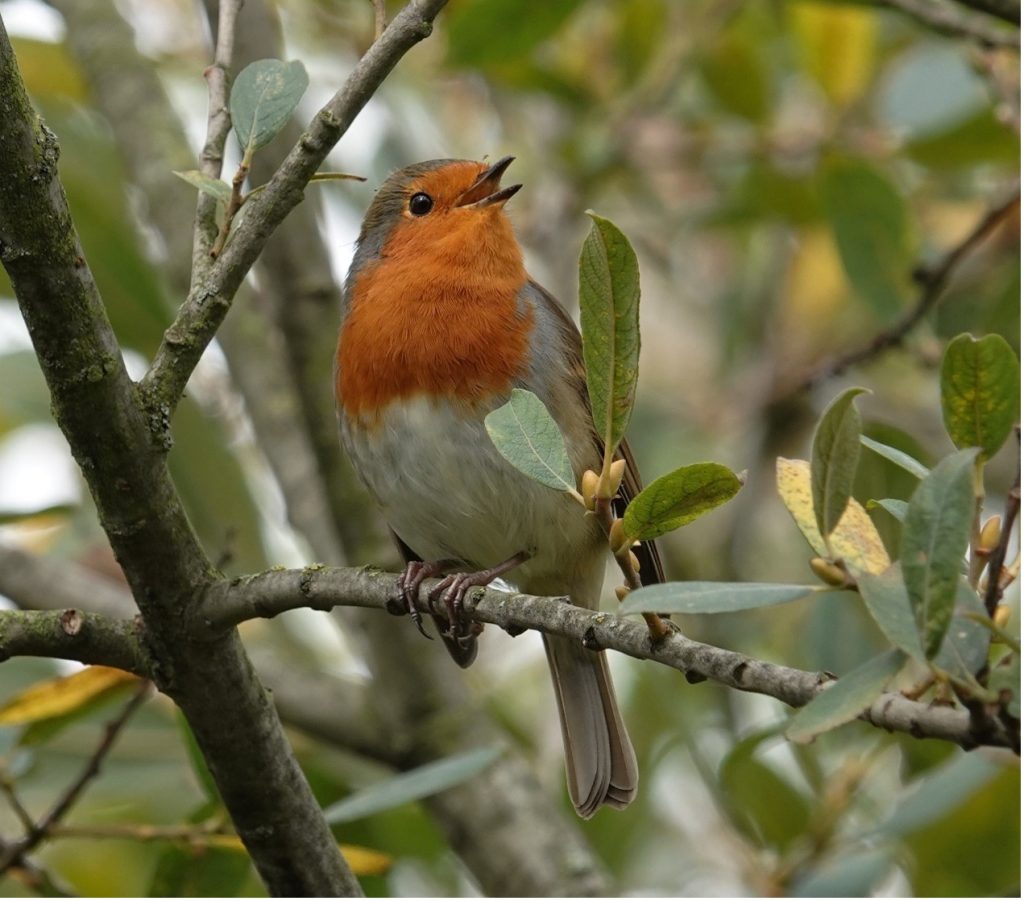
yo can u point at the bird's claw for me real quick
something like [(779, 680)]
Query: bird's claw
[(451, 591), (409, 585)]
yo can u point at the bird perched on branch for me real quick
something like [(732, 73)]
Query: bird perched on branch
[(440, 322)]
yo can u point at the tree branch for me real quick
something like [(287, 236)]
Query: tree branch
[(72, 635), (933, 281), (226, 604), (1007, 10), (234, 722), (208, 302), (994, 590), (949, 19)]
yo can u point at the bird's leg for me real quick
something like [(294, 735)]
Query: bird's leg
[(451, 590), (409, 585)]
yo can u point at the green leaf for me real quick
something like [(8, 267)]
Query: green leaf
[(847, 698), (492, 34), (938, 793), (964, 650), (610, 322), (887, 601), (905, 461), (525, 434), (935, 534), (413, 785), (212, 186), (847, 874), (980, 392), (1005, 677), (679, 498), (871, 228), (760, 802), (834, 452), (263, 97), (712, 597), (894, 507)]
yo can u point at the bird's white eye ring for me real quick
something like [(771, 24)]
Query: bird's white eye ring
[(420, 204)]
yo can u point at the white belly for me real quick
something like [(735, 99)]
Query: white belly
[(447, 492)]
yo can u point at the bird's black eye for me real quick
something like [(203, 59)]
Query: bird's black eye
[(421, 204)]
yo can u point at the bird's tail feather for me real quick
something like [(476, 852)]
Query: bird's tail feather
[(600, 764)]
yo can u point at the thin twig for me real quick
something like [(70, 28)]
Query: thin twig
[(994, 591), (73, 792), (950, 20), (933, 281), (218, 125), (144, 832), (380, 18), (1007, 10), (7, 786)]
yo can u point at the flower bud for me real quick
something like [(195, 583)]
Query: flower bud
[(1002, 616), (828, 572), (621, 592), (634, 561), (616, 536), (989, 536), (588, 487)]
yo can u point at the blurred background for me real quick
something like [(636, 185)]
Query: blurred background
[(781, 168)]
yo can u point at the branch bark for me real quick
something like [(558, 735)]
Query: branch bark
[(323, 588), (218, 691), (949, 19)]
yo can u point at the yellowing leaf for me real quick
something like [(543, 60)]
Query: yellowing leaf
[(362, 861), (58, 697), (838, 45), (855, 540)]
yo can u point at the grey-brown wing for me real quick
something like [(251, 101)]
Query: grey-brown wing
[(651, 570)]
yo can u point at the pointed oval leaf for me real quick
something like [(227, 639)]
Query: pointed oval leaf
[(63, 695), (834, 452), (965, 648), (887, 601), (263, 97), (935, 535), (610, 322), (413, 785), (212, 186), (678, 498), (904, 461), (525, 434), (980, 391), (712, 597), (855, 540), (896, 508), (1005, 681), (847, 698)]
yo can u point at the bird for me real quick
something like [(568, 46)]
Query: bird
[(440, 322)]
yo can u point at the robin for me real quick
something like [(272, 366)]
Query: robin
[(440, 322)]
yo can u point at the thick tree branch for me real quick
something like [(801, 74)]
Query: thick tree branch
[(933, 281), (949, 19), (234, 722), (323, 588), (1007, 10), (72, 634), (209, 301)]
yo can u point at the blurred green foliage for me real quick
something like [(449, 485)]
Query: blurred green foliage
[(781, 168)]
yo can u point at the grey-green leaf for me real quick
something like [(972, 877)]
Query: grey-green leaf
[(905, 461), (834, 453), (525, 434), (847, 698), (679, 498), (887, 601), (212, 186), (893, 506), (1005, 681), (935, 534), (964, 650), (263, 97), (712, 597), (421, 782), (610, 322), (980, 391)]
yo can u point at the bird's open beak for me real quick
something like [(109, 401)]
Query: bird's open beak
[(487, 190)]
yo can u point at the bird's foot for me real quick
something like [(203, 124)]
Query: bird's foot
[(452, 589), (416, 571)]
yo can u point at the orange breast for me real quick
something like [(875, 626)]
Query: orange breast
[(436, 315)]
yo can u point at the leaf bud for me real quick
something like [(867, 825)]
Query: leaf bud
[(616, 536), (588, 487), (828, 572), (621, 592)]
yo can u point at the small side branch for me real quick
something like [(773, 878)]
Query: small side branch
[(933, 281), (13, 853), (950, 19), (72, 635), (226, 604), (994, 591)]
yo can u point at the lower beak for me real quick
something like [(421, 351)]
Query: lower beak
[(486, 190)]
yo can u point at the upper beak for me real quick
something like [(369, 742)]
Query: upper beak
[(487, 190)]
